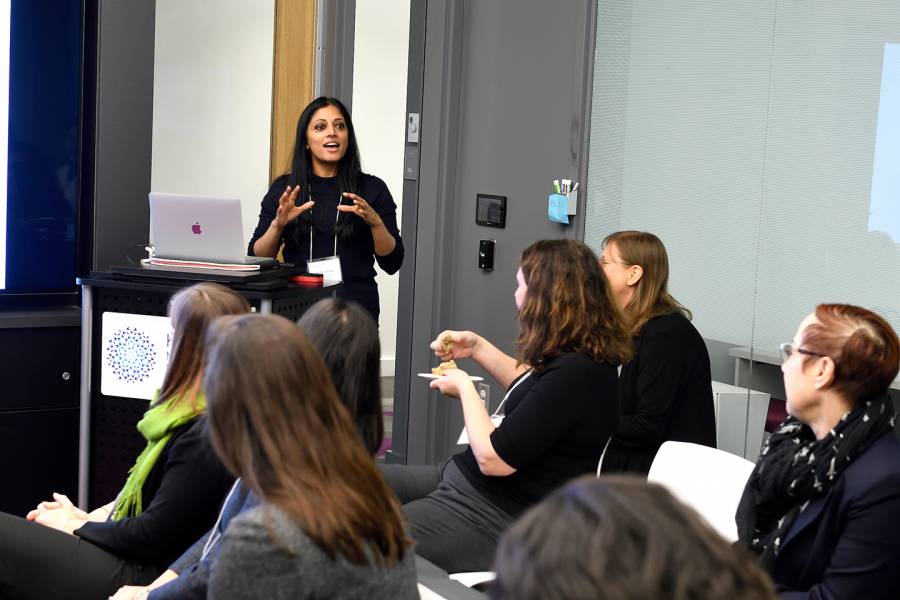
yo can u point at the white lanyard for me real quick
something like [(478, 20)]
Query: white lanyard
[(496, 418), (510, 391), (312, 227), (215, 535)]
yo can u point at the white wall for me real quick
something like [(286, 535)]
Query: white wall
[(381, 45), (747, 140), (212, 99)]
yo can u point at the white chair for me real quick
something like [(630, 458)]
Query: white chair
[(427, 594), (473, 578), (435, 584), (708, 480), (740, 419)]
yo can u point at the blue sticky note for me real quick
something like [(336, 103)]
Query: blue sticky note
[(558, 209)]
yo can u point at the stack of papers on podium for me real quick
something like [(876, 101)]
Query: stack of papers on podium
[(195, 264)]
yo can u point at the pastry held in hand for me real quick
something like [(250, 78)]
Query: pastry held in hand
[(447, 345), (444, 367)]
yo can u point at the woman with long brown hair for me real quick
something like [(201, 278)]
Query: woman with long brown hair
[(169, 499), (327, 524), (665, 391), (346, 337), (560, 409), (822, 505)]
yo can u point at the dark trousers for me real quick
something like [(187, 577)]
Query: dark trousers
[(37, 562), (452, 525)]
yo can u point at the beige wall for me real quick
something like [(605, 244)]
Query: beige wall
[(381, 46), (212, 106), (212, 99)]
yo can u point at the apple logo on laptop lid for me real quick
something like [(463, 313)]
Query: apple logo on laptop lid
[(196, 228)]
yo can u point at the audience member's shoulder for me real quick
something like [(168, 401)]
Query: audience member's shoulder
[(191, 442), (264, 514), (580, 361), (673, 325), (668, 322), (247, 522), (266, 531), (875, 474), (263, 522), (878, 462), (256, 537), (194, 431)]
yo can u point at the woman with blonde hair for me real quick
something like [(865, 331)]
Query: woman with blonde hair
[(665, 391), (822, 505), (169, 499), (560, 409)]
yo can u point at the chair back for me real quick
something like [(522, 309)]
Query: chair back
[(708, 480)]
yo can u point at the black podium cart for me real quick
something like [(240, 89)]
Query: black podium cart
[(108, 439)]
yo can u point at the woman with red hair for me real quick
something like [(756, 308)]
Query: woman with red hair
[(822, 505)]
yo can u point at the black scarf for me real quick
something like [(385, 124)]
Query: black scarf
[(794, 467)]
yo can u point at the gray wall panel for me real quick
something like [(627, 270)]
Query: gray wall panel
[(521, 119), (124, 121), (334, 68), (504, 105), (427, 295), (409, 228)]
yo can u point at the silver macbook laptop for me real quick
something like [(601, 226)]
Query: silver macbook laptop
[(201, 228)]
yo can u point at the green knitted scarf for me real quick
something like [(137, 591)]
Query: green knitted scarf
[(157, 426)]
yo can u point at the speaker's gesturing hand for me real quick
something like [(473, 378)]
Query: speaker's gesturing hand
[(361, 209), (287, 206)]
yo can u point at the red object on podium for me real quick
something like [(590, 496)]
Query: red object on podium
[(310, 280)]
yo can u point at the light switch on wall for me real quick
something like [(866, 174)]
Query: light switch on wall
[(412, 128)]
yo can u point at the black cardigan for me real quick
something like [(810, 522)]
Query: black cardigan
[(180, 498), (357, 254), (665, 394)]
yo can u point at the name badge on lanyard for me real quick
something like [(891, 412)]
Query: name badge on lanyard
[(328, 267), (496, 418), (464, 437)]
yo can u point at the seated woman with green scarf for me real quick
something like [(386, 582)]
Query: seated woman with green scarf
[(170, 498)]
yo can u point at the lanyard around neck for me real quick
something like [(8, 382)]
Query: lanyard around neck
[(215, 534), (312, 227), (525, 376)]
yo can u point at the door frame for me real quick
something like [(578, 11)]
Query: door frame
[(436, 45)]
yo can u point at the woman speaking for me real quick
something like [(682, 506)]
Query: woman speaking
[(328, 211)]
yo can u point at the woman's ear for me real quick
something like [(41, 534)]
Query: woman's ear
[(635, 273), (824, 373)]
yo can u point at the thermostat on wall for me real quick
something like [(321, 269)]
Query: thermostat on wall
[(490, 210)]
